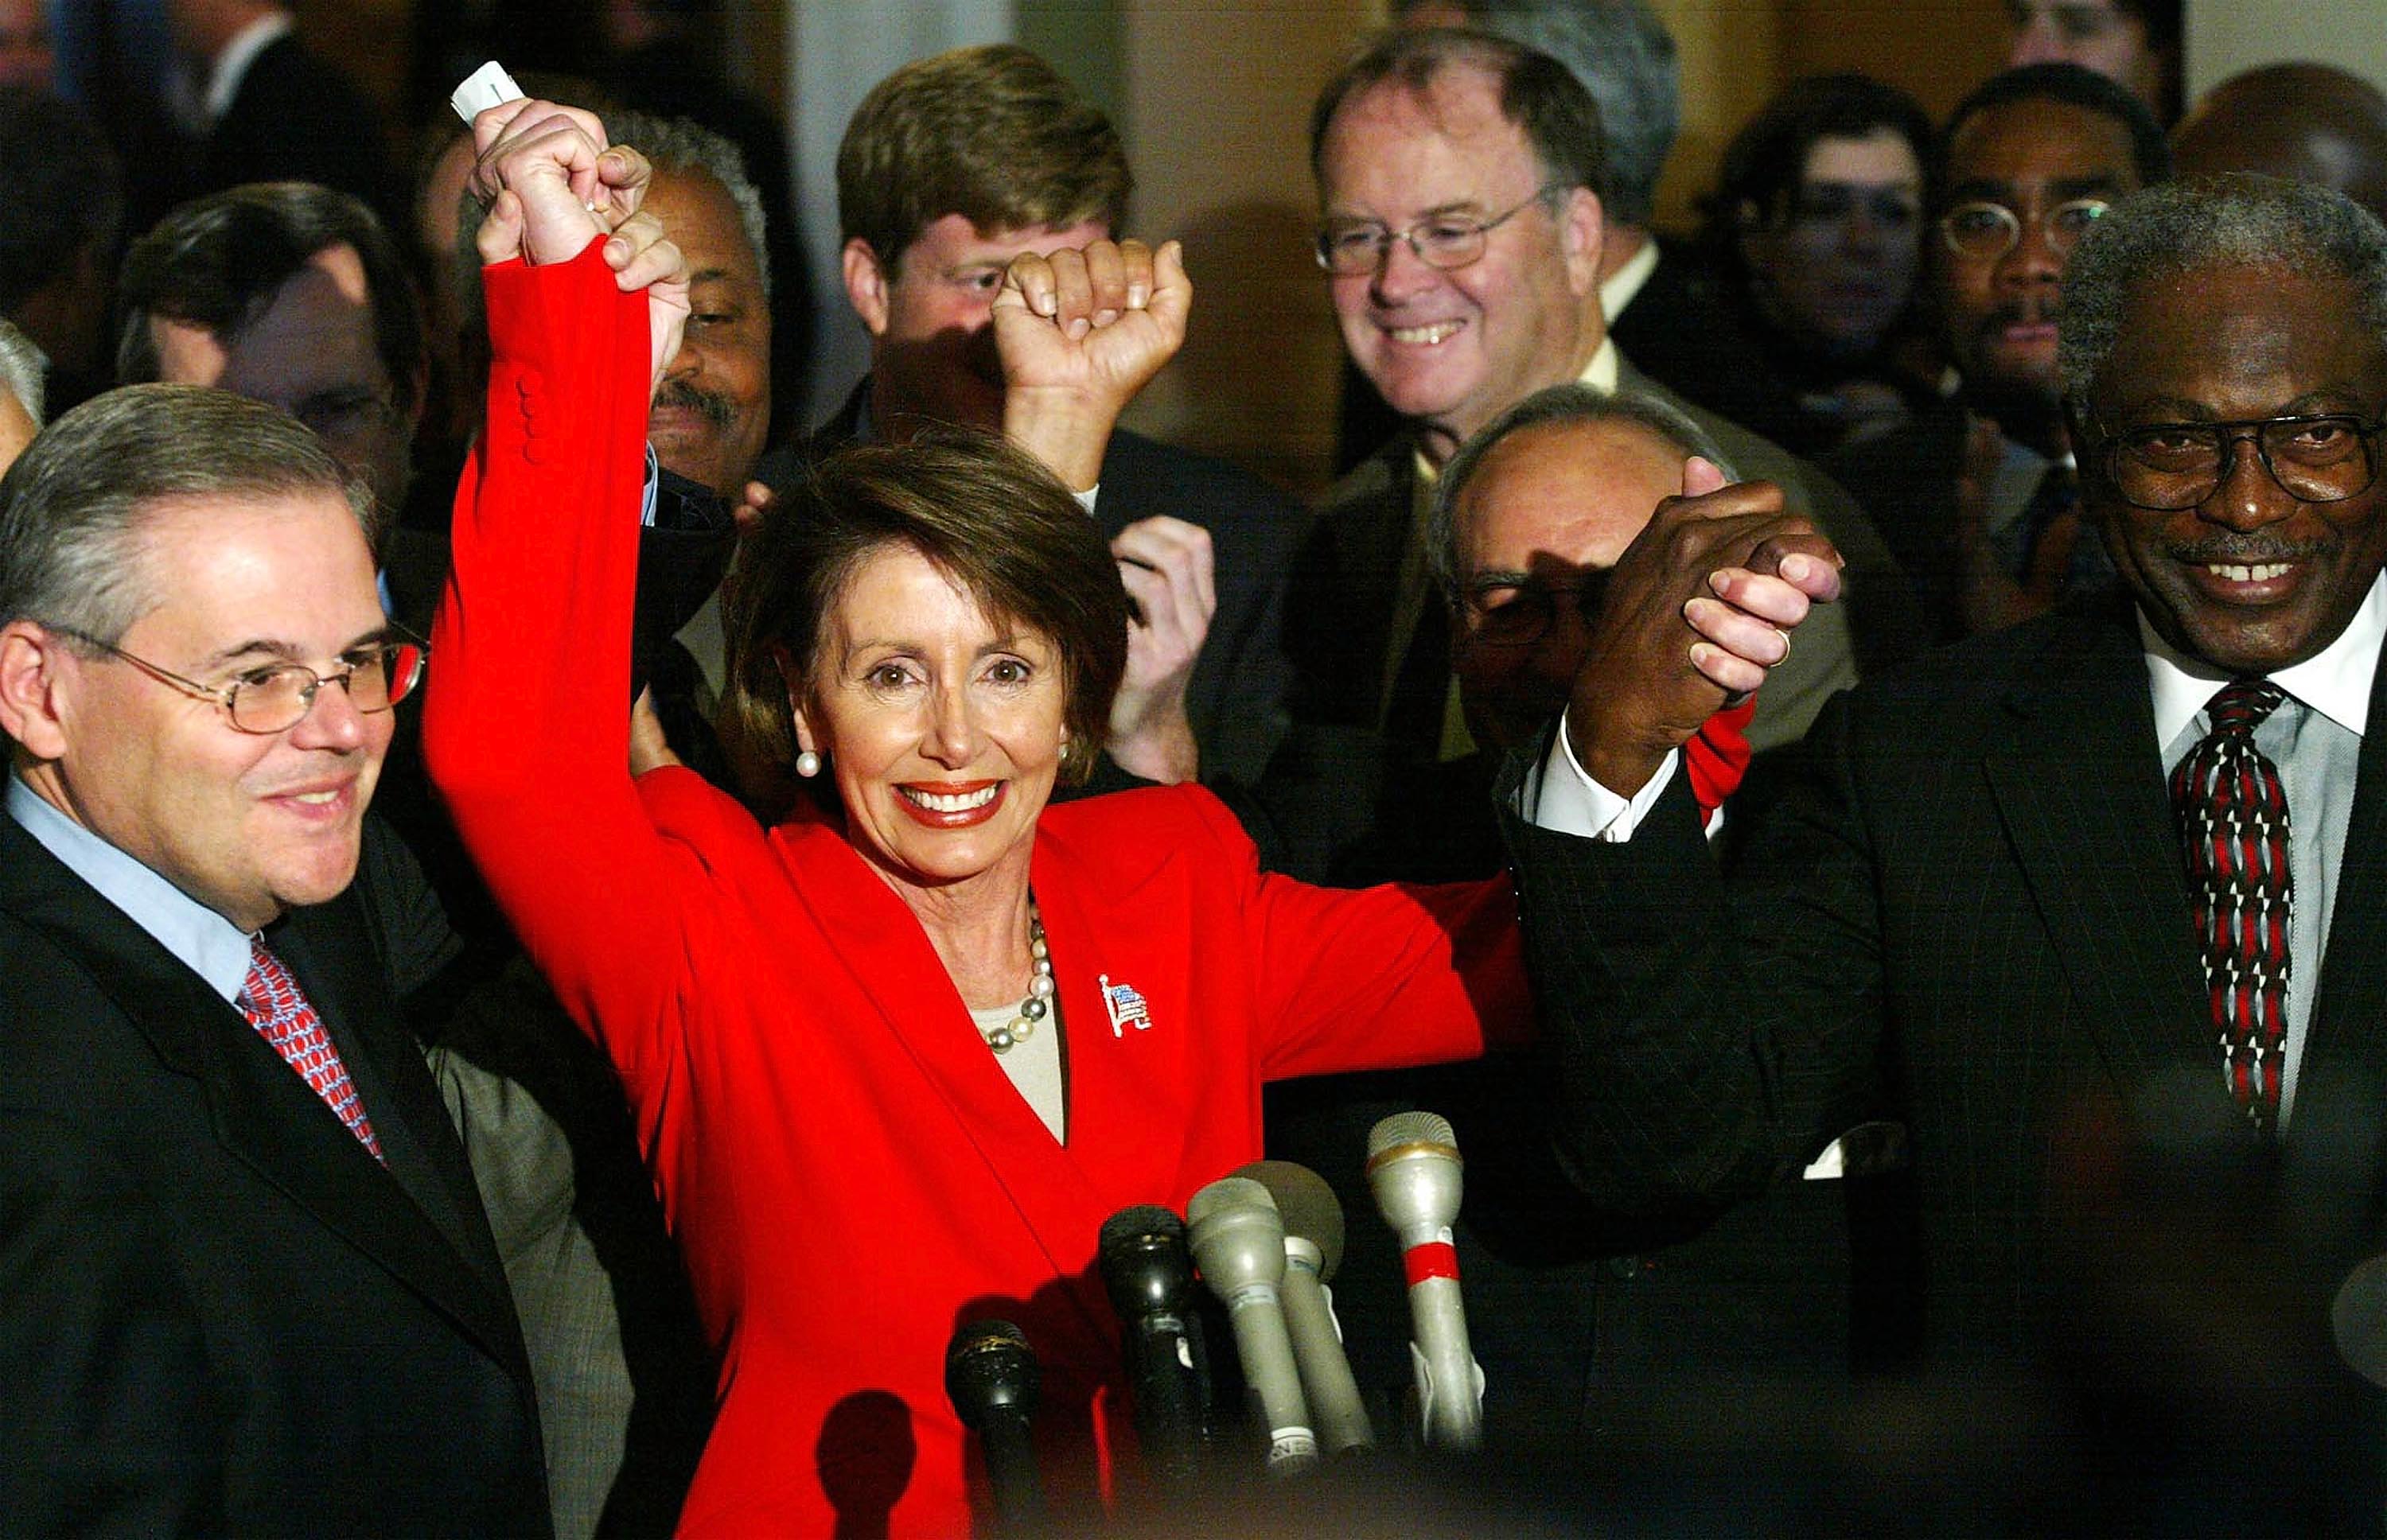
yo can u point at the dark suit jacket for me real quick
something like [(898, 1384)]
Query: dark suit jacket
[(1236, 700), (1976, 890), (296, 119), (222, 1313), (1906, 479)]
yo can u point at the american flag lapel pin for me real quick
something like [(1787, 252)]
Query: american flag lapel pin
[(1125, 1005)]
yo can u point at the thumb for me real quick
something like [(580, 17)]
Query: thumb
[(500, 235), (1700, 477)]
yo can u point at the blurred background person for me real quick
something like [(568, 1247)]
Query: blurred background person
[(2135, 43), (270, 109), (2304, 121), (27, 57), (1815, 231)]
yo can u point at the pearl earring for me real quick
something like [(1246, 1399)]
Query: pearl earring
[(808, 765)]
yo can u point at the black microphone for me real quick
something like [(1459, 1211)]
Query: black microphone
[(1149, 1277), (991, 1377), (1313, 1249)]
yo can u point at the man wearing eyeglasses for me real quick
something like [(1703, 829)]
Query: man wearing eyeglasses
[(1460, 236), (2103, 892), (250, 1286), (1978, 499)]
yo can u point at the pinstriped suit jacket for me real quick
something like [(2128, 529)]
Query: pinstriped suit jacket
[(1975, 889)]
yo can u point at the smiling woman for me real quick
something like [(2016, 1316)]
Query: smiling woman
[(895, 1060)]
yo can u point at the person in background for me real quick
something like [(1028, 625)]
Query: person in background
[(270, 111), (26, 57), (2135, 43), (1815, 231), (59, 248), (1978, 496), (2304, 121)]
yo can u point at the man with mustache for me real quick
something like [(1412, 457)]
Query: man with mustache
[(1978, 499)]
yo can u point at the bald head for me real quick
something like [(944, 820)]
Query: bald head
[(2305, 123)]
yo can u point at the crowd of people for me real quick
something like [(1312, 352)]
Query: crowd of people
[(1833, 750)]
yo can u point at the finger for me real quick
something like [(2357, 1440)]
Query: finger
[(1135, 258), (1182, 551), (1701, 476), (624, 175), (1769, 599), (501, 236), (1735, 676), (756, 506), (1172, 291), (1073, 294), (1803, 558), (1156, 622), (1754, 636), (1031, 278), (650, 260), (490, 123), (1106, 284)]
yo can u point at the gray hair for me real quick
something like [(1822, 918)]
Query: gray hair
[(1625, 57), (1573, 404), (75, 505), (20, 369), (2236, 220)]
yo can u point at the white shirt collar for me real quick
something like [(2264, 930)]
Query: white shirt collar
[(1627, 280), (1600, 374), (206, 943), (2335, 681), (231, 66)]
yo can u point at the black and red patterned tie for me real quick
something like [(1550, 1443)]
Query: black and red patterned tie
[(274, 1006), (2233, 825)]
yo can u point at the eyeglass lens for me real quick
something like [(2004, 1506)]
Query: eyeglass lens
[(2176, 465), (272, 699)]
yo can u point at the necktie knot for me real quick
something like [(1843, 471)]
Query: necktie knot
[(2242, 705)]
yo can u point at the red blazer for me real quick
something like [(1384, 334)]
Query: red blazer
[(848, 1172)]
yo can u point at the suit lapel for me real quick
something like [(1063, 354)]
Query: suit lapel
[(261, 1112), (2080, 788)]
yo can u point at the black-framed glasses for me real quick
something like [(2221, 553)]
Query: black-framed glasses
[(2324, 457), (275, 697), (1500, 613), (1985, 232), (1349, 248)]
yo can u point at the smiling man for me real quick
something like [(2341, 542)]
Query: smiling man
[(252, 1286), (2103, 890)]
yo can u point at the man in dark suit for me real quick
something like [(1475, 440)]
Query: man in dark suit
[(273, 112), (2103, 894), (1977, 497), (1461, 239), (951, 167), (251, 1287)]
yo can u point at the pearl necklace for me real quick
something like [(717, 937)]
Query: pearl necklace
[(1039, 1001)]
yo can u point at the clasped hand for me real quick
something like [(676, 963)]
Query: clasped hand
[(1699, 610)]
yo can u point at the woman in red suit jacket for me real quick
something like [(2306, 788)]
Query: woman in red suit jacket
[(892, 1064)]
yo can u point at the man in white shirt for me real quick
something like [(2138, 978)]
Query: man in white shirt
[(2102, 894)]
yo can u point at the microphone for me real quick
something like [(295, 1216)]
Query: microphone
[(1313, 1250), (1239, 1240), (1413, 1169), (1149, 1275), (991, 1378)]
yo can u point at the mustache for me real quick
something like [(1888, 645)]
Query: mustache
[(2014, 312), (681, 396), (2246, 550)]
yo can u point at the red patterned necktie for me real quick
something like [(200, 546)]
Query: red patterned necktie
[(274, 1006), (2233, 825)]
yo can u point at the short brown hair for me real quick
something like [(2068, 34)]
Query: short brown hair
[(1538, 93), (992, 134), (985, 514)]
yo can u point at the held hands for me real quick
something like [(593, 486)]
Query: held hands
[(1699, 609), (1165, 565), (1078, 334), (551, 184)]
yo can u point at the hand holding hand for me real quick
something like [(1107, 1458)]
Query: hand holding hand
[(1698, 609), (1166, 566), (1078, 334)]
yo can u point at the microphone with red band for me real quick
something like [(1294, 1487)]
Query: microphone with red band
[(1414, 1171)]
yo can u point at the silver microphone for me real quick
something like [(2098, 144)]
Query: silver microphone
[(1313, 1249), (1238, 1242), (1413, 1169)]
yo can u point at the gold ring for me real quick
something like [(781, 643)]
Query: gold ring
[(1785, 647)]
